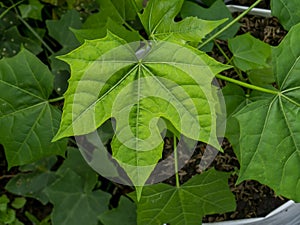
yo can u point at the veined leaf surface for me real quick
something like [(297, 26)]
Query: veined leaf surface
[(204, 194), (270, 131), (110, 80), (158, 21), (27, 121)]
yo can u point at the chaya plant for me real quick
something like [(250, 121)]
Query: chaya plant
[(128, 93)]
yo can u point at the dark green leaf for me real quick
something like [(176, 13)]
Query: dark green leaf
[(269, 140), (36, 177), (32, 10), (26, 117), (125, 213), (204, 194)]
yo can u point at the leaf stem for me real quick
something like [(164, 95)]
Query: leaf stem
[(35, 34), (246, 85), (56, 99), (229, 61), (176, 161), (9, 8), (229, 24)]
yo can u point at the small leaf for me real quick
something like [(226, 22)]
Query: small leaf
[(4, 200), (217, 10), (18, 203), (287, 11), (158, 21), (204, 194), (26, 117), (32, 10), (34, 179), (125, 212), (249, 53), (269, 141)]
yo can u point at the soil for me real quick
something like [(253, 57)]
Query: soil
[(253, 199)]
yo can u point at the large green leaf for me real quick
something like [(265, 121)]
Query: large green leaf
[(110, 80), (269, 141), (287, 11), (158, 21), (27, 121), (217, 10), (75, 202), (204, 194)]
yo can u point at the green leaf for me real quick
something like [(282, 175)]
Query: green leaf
[(75, 202), (249, 53), (18, 203), (216, 11), (125, 213), (287, 11), (136, 92), (60, 30), (4, 200), (158, 21), (32, 10), (26, 117), (100, 31), (118, 10), (34, 179), (269, 140), (204, 194)]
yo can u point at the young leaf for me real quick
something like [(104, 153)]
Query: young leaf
[(170, 81), (269, 140), (26, 117), (125, 212), (204, 194), (287, 11), (249, 53), (75, 202), (34, 179), (217, 10), (158, 21)]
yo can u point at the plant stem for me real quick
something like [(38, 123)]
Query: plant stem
[(35, 34), (9, 8), (176, 161), (56, 99), (246, 85), (229, 24), (229, 61)]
